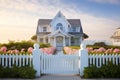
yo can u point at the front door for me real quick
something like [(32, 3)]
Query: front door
[(59, 42)]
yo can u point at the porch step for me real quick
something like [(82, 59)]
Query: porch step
[(59, 52)]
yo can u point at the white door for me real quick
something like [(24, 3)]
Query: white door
[(59, 42)]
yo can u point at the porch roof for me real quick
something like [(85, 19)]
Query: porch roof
[(59, 33)]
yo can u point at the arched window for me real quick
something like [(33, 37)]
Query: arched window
[(59, 26)]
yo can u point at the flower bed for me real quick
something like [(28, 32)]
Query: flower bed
[(4, 50), (101, 50)]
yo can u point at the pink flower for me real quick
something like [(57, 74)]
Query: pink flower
[(9, 51), (3, 49), (95, 51), (109, 51), (116, 50), (90, 49), (16, 51), (67, 50), (22, 50), (30, 49), (101, 50)]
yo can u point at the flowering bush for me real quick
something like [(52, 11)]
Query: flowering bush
[(69, 50), (102, 50), (50, 50), (30, 49), (3, 49)]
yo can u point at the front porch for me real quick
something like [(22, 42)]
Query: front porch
[(58, 39)]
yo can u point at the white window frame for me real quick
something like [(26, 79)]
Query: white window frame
[(44, 29)]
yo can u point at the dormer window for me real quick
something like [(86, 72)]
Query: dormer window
[(59, 26), (44, 29)]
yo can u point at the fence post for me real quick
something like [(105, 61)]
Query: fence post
[(83, 53), (36, 59)]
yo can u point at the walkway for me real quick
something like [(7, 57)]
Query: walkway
[(59, 53), (59, 77), (50, 77)]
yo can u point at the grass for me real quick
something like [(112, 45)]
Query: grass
[(74, 47)]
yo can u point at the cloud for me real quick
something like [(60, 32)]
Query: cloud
[(19, 18), (107, 1)]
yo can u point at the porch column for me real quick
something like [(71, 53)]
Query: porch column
[(69, 41), (48, 39), (64, 41), (44, 40), (54, 41), (80, 40), (38, 39)]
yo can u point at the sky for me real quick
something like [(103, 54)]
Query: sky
[(18, 18)]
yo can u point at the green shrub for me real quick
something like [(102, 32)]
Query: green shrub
[(75, 47), (42, 45), (17, 72), (92, 72), (100, 44), (11, 45), (109, 70), (18, 45)]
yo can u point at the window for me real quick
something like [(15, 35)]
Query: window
[(76, 41), (116, 40), (59, 26), (74, 29), (44, 29), (41, 39)]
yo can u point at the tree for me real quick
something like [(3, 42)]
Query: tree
[(34, 38), (85, 36), (100, 44)]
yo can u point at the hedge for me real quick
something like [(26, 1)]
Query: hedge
[(25, 72), (109, 70)]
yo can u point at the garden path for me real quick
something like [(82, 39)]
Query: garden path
[(60, 77)]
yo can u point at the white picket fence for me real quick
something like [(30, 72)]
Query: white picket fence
[(58, 64), (8, 60), (98, 59)]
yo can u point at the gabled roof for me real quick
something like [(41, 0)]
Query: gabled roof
[(46, 22), (74, 22)]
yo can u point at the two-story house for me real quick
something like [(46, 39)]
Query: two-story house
[(116, 37), (59, 31)]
